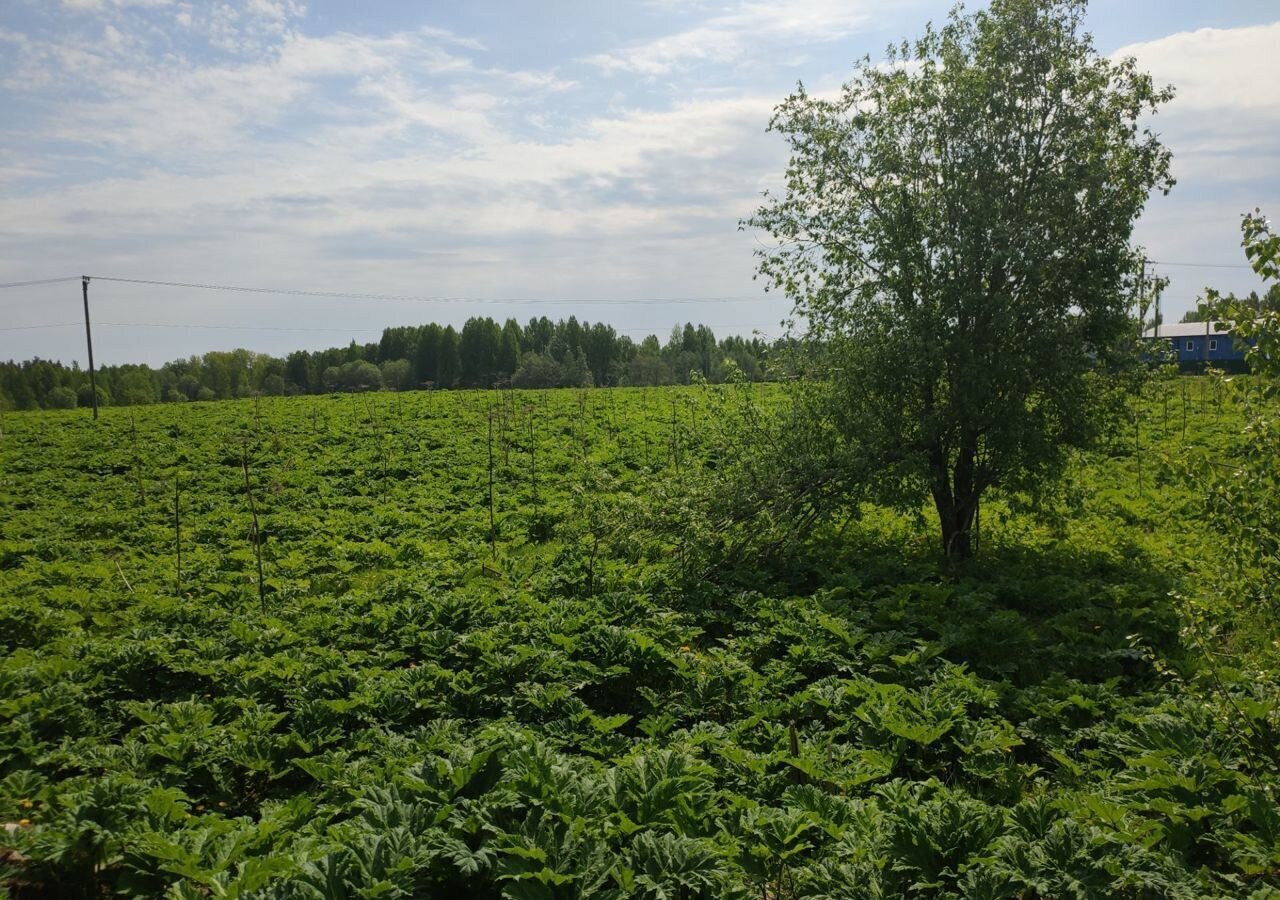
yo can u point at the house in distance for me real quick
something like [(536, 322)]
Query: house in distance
[(1199, 345)]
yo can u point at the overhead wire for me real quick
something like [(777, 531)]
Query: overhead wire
[(17, 284), (32, 327), (358, 295), (335, 295), (1202, 265), (355, 295), (235, 327)]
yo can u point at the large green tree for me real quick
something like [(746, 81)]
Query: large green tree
[(956, 229)]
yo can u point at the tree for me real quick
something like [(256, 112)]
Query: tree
[(61, 397), (1260, 305), (536, 371), (397, 374), (647, 370), (84, 396), (218, 374), (599, 346), (509, 349), (956, 227), (426, 355), (360, 375), (537, 335), (299, 372), (479, 345), (397, 343), (137, 388), (448, 359)]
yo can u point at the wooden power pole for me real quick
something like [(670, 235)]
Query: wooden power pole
[(88, 336)]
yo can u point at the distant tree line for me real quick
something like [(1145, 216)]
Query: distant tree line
[(483, 354), (1268, 302)]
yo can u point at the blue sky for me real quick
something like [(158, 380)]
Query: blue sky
[(571, 151)]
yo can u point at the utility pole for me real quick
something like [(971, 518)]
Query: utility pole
[(88, 336), (1139, 301), (1159, 289), (1142, 298)]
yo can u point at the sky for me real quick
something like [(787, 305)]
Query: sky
[(565, 157)]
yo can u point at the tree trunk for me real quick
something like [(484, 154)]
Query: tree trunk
[(955, 495), (955, 515)]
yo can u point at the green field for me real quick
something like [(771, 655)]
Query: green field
[(474, 666)]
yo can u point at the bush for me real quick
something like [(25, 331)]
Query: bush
[(540, 371), (137, 388), (360, 375), (397, 374), (84, 396), (61, 397)]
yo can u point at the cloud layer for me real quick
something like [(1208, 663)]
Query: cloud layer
[(242, 143), (1224, 128)]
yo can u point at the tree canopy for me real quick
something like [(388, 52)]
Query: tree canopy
[(484, 354), (955, 228)]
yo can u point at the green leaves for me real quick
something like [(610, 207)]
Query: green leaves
[(955, 231), (834, 717)]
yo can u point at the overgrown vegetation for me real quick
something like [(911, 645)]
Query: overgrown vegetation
[(696, 642), (1244, 488), (576, 703)]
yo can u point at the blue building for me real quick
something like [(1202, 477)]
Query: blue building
[(1199, 345)]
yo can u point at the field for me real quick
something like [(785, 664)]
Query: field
[(432, 644)]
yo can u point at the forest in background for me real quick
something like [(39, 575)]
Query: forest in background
[(482, 354)]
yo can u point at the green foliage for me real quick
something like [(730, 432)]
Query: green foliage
[(956, 227), (1244, 488), (61, 397), (397, 374), (596, 704), (539, 371), (357, 375), (565, 353)]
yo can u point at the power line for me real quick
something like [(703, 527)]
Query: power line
[(31, 327), (355, 295), (345, 295), (236, 327), (15, 284), (1201, 265)]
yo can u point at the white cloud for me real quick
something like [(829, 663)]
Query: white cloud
[(1216, 68), (1223, 128), (421, 140), (100, 5), (302, 158), (1225, 117), (728, 37)]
